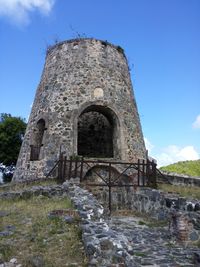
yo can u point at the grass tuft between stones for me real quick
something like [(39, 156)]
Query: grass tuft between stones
[(183, 191), (140, 254)]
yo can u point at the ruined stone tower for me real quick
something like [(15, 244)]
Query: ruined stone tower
[(84, 105)]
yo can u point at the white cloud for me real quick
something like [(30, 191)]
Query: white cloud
[(148, 145), (18, 10), (196, 123), (171, 153), (174, 153), (188, 153)]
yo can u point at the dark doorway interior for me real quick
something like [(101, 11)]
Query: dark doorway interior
[(37, 141), (40, 132), (95, 135)]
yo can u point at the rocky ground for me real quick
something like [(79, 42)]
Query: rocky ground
[(116, 241), (154, 246)]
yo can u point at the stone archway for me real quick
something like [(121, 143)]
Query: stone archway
[(97, 133), (40, 128), (37, 141)]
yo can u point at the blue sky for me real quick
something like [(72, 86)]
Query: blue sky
[(161, 39)]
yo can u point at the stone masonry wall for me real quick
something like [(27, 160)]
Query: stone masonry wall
[(81, 75), (154, 203), (180, 179)]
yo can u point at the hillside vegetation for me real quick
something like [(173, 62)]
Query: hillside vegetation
[(190, 167)]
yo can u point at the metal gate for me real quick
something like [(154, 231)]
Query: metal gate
[(143, 173)]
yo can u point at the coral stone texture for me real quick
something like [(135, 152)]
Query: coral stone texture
[(84, 105)]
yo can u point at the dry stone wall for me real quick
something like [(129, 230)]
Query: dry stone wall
[(180, 179)]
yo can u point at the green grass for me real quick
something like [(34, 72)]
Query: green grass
[(191, 168), (153, 223), (140, 254), (35, 234), (144, 219), (198, 243), (23, 186), (183, 191)]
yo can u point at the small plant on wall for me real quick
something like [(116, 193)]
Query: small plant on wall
[(120, 49), (75, 157)]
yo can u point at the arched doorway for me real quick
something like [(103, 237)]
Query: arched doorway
[(97, 127), (39, 132), (37, 140)]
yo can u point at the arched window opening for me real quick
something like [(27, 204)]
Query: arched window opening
[(38, 138), (95, 134)]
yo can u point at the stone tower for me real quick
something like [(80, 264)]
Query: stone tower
[(84, 105)]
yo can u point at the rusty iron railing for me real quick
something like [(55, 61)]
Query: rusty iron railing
[(142, 173)]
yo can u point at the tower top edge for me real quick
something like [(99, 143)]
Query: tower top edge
[(88, 40)]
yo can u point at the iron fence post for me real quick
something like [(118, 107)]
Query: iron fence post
[(138, 172), (154, 174), (143, 173), (147, 174), (109, 187), (60, 166), (81, 172), (64, 168), (70, 169)]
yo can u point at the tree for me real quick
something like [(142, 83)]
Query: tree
[(12, 130)]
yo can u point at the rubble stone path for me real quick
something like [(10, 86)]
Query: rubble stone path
[(153, 246)]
